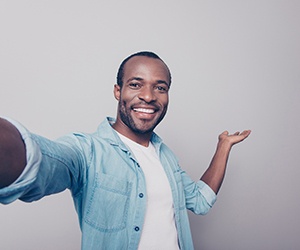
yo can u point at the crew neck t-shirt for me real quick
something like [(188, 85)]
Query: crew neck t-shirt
[(159, 229)]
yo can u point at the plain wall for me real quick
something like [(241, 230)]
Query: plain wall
[(235, 66)]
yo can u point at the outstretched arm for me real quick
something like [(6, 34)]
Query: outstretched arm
[(12, 153), (214, 175)]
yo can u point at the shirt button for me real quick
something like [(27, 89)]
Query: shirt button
[(137, 229), (141, 195)]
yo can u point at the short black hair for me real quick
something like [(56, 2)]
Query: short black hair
[(150, 54)]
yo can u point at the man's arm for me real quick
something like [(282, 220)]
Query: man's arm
[(214, 175), (12, 153)]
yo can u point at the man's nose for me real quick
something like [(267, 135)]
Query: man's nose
[(147, 94)]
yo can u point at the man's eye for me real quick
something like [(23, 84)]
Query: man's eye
[(134, 85), (162, 89)]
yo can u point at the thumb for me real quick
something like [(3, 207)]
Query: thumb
[(225, 132)]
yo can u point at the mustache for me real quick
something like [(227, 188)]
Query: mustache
[(143, 104)]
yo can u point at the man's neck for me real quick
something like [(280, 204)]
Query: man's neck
[(140, 138)]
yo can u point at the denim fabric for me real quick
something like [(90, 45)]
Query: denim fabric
[(107, 185)]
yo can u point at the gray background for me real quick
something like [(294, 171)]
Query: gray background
[(235, 66)]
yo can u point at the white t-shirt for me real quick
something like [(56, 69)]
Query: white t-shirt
[(159, 229)]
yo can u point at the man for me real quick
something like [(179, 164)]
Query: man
[(128, 189)]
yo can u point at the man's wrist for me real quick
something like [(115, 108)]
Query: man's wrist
[(224, 145)]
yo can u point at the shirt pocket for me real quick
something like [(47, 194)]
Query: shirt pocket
[(107, 209), (180, 190)]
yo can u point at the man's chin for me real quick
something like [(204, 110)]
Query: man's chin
[(144, 129), (146, 126)]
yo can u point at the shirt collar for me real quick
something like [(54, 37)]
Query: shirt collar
[(106, 132)]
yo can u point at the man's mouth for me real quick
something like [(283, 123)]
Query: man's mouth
[(144, 110)]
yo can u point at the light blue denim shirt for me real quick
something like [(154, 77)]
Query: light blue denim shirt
[(107, 185)]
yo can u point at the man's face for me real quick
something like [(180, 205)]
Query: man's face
[(143, 98)]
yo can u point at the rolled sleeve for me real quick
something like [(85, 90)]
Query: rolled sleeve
[(199, 197), (28, 176), (207, 193)]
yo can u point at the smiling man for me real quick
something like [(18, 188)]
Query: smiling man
[(128, 188), (143, 96)]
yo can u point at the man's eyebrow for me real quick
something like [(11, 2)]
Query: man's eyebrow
[(135, 78), (141, 79)]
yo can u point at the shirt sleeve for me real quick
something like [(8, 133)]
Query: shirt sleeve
[(207, 193), (199, 196), (28, 176), (52, 167)]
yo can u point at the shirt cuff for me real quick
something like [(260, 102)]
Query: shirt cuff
[(28, 176), (207, 192)]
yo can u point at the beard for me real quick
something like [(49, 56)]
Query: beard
[(140, 126)]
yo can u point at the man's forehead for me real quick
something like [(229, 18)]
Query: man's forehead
[(137, 60), (140, 63)]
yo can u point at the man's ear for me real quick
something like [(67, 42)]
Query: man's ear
[(117, 91)]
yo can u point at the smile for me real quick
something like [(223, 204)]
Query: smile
[(144, 110)]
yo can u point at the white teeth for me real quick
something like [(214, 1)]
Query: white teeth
[(149, 111)]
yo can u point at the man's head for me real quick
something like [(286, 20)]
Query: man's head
[(142, 92)]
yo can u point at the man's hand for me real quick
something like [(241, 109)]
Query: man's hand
[(12, 153), (235, 138)]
